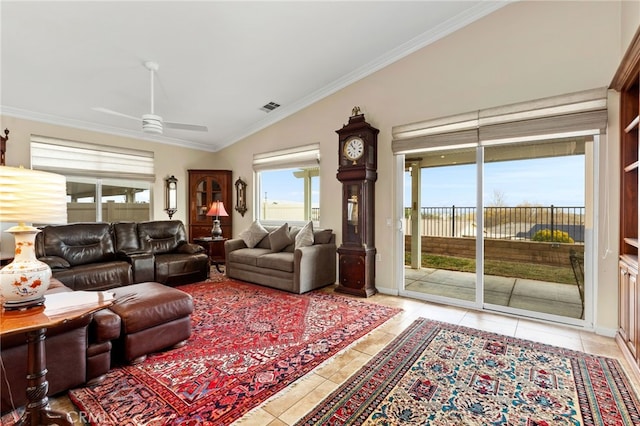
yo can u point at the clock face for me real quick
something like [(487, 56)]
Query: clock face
[(353, 148)]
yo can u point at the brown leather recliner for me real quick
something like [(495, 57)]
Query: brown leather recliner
[(83, 256), (174, 260)]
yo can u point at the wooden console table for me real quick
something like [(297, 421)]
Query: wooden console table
[(214, 248), (58, 308)]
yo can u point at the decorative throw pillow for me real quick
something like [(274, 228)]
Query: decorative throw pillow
[(305, 236), (280, 238), (253, 234)]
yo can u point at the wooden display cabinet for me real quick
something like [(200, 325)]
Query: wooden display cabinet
[(206, 187), (627, 82)]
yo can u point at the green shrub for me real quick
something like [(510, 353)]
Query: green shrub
[(557, 237)]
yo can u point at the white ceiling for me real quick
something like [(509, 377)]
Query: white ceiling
[(220, 62)]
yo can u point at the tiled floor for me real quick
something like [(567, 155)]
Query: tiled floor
[(292, 403)]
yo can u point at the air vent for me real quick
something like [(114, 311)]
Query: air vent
[(269, 107)]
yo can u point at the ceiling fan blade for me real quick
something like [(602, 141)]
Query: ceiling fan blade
[(182, 126), (119, 114)]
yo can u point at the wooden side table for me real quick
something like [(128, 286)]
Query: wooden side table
[(58, 308), (214, 248)]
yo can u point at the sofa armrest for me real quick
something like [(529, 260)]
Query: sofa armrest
[(190, 248), (232, 245), (142, 265), (105, 326), (314, 266), (55, 262)]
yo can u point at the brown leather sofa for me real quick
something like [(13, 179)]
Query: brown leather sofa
[(77, 352), (100, 256)]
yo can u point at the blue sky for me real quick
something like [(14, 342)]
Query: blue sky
[(542, 181)]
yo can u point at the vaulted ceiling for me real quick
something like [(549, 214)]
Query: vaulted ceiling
[(219, 62)]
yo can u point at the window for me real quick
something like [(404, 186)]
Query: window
[(104, 184), (288, 185)]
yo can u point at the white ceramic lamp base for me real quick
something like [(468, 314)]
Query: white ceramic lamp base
[(24, 281)]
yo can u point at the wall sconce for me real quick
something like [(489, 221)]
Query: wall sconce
[(171, 195), (241, 196)]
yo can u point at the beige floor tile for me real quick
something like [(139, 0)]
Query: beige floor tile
[(285, 399), (373, 342), (506, 327), (306, 404), (257, 417), (563, 341), (609, 349), (347, 371)]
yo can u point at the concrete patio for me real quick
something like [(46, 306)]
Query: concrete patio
[(532, 295)]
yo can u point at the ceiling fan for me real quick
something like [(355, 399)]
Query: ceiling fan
[(152, 123)]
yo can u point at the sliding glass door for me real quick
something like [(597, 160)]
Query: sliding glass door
[(527, 205), (440, 217), (534, 227)]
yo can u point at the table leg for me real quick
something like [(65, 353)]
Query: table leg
[(37, 411)]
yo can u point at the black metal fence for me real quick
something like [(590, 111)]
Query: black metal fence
[(518, 223)]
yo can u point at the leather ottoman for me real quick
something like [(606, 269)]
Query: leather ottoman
[(154, 317)]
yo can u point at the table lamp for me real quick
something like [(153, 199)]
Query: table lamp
[(28, 196), (217, 210)]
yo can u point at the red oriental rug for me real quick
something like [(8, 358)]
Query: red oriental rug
[(442, 374), (248, 343)]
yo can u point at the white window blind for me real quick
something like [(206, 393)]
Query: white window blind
[(576, 114), (302, 157), (83, 159)]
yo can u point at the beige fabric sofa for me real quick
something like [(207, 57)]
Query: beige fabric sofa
[(296, 270)]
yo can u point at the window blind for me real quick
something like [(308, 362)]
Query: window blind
[(574, 114), (302, 157), (83, 159)]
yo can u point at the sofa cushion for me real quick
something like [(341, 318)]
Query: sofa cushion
[(126, 236), (253, 234), (161, 236), (322, 236), (96, 276), (305, 236), (247, 256), (279, 239), (55, 262), (79, 243), (282, 261)]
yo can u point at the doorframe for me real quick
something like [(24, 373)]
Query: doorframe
[(591, 245)]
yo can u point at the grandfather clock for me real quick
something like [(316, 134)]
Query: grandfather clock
[(358, 162)]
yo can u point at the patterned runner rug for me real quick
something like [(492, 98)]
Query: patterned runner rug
[(441, 374), (248, 343)]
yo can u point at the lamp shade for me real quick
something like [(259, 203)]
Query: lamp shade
[(32, 196), (217, 209), (28, 196)]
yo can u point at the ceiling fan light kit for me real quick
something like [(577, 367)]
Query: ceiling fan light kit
[(152, 123)]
